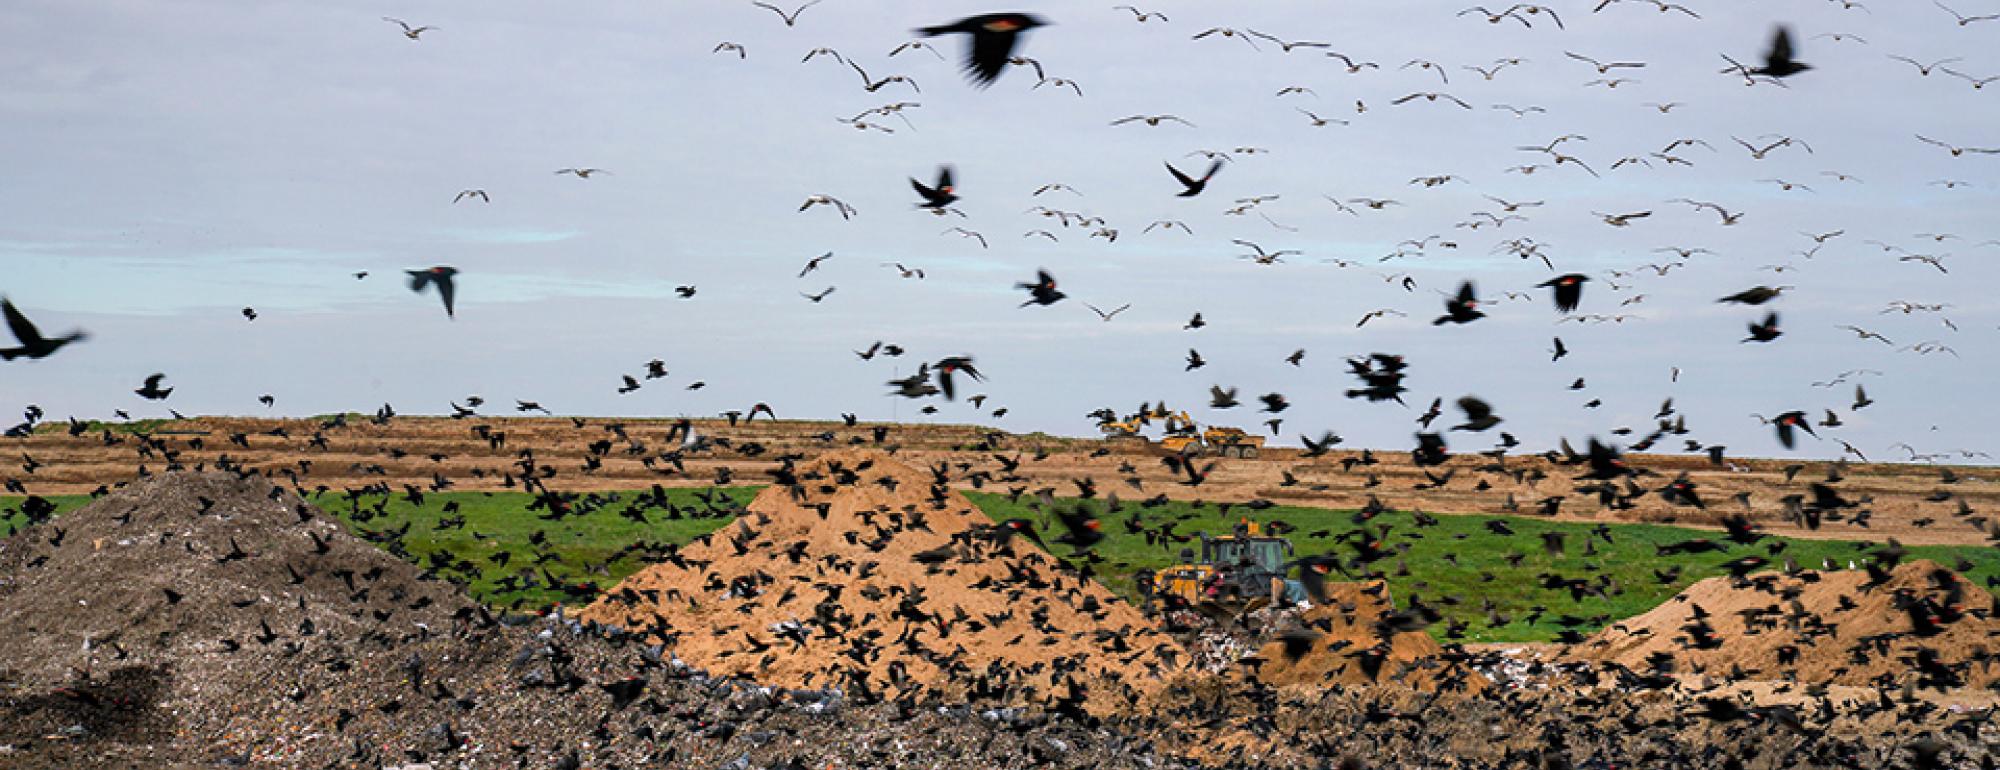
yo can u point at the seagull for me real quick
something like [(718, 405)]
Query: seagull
[(790, 18), (968, 234), (846, 211), (1104, 315), (408, 31), (463, 194), (582, 173)]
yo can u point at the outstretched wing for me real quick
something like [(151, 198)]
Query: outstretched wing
[(19, 324), (1781, 47)]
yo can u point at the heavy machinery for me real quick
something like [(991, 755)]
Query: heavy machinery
[(1233, 572), (1127, 428), (1217, 440)]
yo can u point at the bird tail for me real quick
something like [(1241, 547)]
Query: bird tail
[(10, 354)]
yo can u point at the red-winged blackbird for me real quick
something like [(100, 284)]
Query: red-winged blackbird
[(940, 196), (993, 38), (1569, 290), (1765, 331), (1043, 290), (439, 275), (1461, 309)]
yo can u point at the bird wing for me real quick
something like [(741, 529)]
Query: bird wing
[(19, 324), (445, 291), (1781, 47), (989, 54), (1182, 178)]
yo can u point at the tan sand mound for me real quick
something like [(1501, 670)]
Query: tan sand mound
[(1351, 650), (821, 584), (1918, 620)]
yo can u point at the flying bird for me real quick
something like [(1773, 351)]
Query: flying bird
[(442, 277), (994, 37), (813, 264), (1778, 61), (1568, 290), (1193, 187), (940, 196), (409, 31), (1766, 330), (152, 391), (32, 344), (1042, 291), (790, 18), (846, 211), (1462, 308)]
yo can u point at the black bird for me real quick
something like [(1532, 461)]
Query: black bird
[(1081, 529), (1461, 309), (439, 275), (152, 391), (1569, 290), (1478, 415), (994, 36), (936, 198), (1042, 291), (952, 365), (1755, 295), (1430, 450), (1765, 331), (1789, 420), (1194, 186), (1778, 61), (33, 344)]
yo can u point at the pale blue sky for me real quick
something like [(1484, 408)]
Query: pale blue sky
[(172, 162)]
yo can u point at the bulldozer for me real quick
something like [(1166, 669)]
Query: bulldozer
[(1217, 440), (1236, 573), (1127, 428)]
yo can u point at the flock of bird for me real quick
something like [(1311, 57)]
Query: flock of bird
[(999, 50), (997, 47)]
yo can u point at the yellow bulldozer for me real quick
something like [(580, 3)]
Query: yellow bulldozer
[(1217, 440), (1235, 573)]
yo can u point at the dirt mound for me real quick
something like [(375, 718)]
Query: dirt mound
[(194, 585), (265, 655), (1850, 627), (860, 572), (1348, 640)]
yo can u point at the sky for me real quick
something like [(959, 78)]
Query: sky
[(171, 163)]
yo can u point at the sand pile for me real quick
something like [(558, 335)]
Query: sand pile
[(1918, 620), (1353, 647), (867, 575)]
